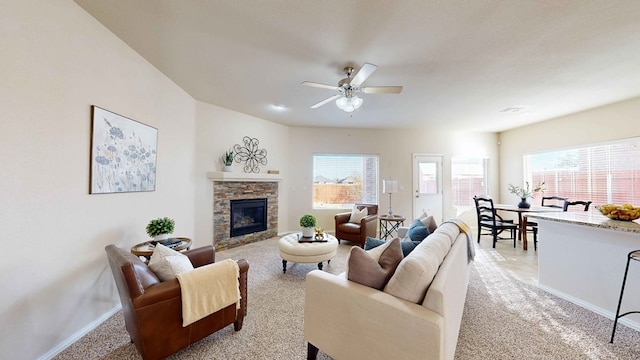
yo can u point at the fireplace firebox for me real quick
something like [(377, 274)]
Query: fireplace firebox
[(248, 216)]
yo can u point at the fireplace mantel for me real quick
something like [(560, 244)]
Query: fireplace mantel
[(238, 176)]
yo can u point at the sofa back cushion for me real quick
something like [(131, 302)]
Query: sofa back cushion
[(416, 271)]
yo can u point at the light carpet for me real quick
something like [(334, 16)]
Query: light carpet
[(504, 318)]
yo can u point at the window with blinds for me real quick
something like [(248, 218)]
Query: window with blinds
[(602, 173), (469, 177), (342, 180)]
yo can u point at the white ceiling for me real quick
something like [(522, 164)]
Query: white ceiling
[(460, 62)]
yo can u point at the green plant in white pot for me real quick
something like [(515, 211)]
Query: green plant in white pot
[(308, 223), (227, 160), (160, 228)]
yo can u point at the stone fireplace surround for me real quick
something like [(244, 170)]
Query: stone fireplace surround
[(229, 186)]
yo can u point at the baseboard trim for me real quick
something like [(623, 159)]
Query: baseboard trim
[(84, 331), (596, 309)]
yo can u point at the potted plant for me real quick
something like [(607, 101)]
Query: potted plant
[(308, 223), (525, 192), (227, 159), (160, 228)]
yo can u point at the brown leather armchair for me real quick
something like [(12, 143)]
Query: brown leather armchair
[(357, 233), (153, 309)]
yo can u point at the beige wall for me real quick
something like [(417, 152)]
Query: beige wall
[(56, 62), (606, 123), (395, 149), (218, 129)]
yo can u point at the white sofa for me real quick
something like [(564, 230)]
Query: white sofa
[(346, 320)]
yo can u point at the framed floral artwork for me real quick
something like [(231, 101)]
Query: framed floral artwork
[(123, 154)]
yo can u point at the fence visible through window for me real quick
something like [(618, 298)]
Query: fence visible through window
[(342, 180)]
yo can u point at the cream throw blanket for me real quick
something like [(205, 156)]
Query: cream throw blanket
[(464, 228), (209, 288)]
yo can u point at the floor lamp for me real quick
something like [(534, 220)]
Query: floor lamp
[(389, 187)]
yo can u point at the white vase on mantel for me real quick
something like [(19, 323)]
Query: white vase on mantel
[(228, 168)]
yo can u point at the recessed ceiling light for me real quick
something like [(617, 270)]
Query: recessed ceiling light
[(279, 106)]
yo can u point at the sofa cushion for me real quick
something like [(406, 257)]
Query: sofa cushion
[(167, 263), (416, 271), (430, 223), (366, 270), (417, 231), (357, 215), (407, 246)]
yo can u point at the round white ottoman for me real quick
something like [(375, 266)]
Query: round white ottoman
[(306, 252)]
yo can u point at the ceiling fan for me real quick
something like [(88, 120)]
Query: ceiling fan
[(347, 98)]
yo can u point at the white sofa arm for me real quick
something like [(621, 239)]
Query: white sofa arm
[(379, 325)]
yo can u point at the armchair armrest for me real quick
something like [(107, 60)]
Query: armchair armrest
[(160, 292), (342, 218), (203, 255), (368, 218)]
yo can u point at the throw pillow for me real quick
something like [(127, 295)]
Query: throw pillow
[(167, 263), (357, 215), (417, 231), (430, 223), (365, 270), (407, 246)]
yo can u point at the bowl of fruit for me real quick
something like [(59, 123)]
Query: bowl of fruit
[(626, 212)]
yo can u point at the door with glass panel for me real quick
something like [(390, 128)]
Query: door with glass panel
[(427, 185)]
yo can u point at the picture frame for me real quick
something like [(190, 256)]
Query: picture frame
[(123, 154)]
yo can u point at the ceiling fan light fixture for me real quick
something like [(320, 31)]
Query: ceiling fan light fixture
[(349, 104)]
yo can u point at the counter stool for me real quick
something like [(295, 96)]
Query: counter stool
[(634, 255)]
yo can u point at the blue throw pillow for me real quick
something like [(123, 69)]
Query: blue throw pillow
[(407, 246), (371, 243), (417, 231)]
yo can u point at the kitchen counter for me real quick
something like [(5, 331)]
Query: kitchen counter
[(581, 258), (589, 218)]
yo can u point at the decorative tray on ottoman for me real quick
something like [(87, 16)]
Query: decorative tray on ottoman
[(312, 239)]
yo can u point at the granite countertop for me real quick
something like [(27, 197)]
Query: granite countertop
[(589, 218)]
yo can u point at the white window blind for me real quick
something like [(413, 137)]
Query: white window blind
[(342, 180), (601, 173)]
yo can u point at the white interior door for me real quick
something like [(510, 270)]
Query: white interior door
[(427, 185)]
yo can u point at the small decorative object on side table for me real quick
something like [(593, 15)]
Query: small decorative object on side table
[(160, 228), (389, 224), (145, 249)]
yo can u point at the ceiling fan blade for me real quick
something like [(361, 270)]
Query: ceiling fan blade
[(327, 100), (362, 74), (318, 85), (382, 90)]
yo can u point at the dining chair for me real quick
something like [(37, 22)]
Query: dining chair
[(491, 221), (553, 201), (584, 204), (548, 201)]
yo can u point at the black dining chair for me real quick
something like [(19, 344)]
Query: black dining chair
[(553, 201), (548, 201), (489, 220), (584, 204)]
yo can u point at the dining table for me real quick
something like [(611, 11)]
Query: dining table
[(522, 218)]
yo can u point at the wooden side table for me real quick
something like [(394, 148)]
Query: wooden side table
[(145, 249), (389, 224)]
